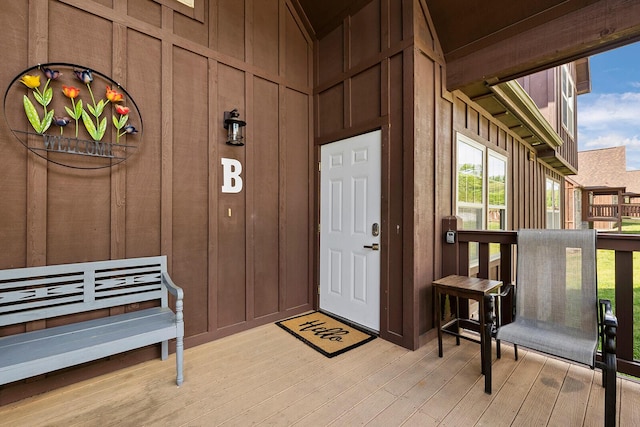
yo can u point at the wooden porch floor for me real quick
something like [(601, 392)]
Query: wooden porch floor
[(265, 376)]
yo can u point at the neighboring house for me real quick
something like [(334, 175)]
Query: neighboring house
[(554, 92), (603, 191), (425, 88)]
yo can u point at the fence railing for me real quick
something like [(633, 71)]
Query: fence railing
[(489, 266), (604, 211), (631, 209), (612, 211)]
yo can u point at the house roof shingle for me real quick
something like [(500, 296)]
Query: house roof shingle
[(606, 167)]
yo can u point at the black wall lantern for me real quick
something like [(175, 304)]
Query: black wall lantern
[(234, 127)]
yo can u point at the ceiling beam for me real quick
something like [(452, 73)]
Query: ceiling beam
[(601, 26)]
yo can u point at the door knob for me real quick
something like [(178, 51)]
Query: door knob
[(374, 246)]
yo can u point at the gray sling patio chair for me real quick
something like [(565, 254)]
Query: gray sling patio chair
[(556, 304)]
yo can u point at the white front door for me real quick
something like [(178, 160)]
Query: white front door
[(350, 205)]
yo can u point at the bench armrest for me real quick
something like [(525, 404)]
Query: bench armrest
[(172, 287)]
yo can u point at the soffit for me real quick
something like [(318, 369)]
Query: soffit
[(464, 26), (510, 104)]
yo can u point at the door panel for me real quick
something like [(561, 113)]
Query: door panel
[(350, 212)]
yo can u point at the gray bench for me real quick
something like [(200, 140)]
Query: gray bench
[(37, 293)]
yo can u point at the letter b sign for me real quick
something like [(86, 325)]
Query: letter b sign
[(231, 179)]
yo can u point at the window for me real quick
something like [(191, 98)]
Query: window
[(481, 190), (553, 203), (470, 185), (568, 100), (497, 192)]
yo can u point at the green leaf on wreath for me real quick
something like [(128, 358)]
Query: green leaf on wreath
[(31, 112), (88, 124), (99, 108), (48, 96), (78, 110), (46, 121), (39, 98), (102, 129)]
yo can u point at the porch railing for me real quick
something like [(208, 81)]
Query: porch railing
[(490, 266)]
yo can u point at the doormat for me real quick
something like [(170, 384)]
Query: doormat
[(327, 335)]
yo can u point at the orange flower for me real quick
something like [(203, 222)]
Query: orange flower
[(122, 110), (70, 91), (113, 96)]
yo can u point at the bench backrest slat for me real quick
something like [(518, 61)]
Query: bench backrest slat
[(34, 293), (34, 282)]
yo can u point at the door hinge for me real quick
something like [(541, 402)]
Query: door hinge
[(318, 289), (319, 166), (318, 227)]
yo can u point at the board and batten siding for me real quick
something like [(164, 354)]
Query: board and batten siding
[(248, 258), (383, 68), (242, 259)]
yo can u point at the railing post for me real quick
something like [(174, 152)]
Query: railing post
[(451, 261), (506, 274), (450, 253), (624, 303)]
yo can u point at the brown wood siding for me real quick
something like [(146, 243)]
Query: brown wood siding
[(239, 270), (363, 84), (141, 196), (390, 76), (249, 258)]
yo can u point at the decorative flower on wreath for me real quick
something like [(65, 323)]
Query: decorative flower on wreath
[(90, 113), (82, 105)]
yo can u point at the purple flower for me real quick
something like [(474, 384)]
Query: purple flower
[(130, 129), (84, 76), (61, 121), (51, 74)]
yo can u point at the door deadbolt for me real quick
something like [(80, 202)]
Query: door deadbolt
[(374, 246), (375, 229)]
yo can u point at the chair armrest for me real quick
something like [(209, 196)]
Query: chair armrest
[(608, 327), (504, 293), (607, 316), (496, 299)]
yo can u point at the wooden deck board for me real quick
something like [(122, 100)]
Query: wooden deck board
[(266, 377), (629, 403), (571, 405), (539, 403), (467, 409)]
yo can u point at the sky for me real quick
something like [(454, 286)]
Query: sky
[(609, 116)]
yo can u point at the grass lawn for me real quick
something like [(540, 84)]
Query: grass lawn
[(606, 283)]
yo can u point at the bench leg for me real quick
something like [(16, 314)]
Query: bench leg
[(179, 359), (164, 351)]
